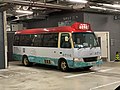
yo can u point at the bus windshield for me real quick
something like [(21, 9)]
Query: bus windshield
[(84, 40)]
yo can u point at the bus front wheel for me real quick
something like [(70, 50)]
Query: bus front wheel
[(26, 62), (63, 66), (87, 68)]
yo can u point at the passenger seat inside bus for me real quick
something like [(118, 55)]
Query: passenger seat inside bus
[(65, 44)]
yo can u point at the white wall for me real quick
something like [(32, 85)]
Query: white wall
[(106, 23)]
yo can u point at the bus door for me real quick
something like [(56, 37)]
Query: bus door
[(65, 46)]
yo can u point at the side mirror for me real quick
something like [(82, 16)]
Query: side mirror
[(66, 39)]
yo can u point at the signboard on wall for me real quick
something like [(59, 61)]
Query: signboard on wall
[(16, 27), (67, 21), (117, 17)]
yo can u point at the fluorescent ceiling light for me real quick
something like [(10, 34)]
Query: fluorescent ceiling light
[(113, 6), (101, 8), (78, 1), (24, 11), (21, 15), (115, 10), (94, 7)]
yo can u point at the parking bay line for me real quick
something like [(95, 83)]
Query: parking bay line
[(104, 85), (71, 76), (105, 70)]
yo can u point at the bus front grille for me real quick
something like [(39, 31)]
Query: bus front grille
[(91, 59)]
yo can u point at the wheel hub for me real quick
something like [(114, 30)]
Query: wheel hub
[(63, 65)]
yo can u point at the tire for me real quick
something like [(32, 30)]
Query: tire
[(63, 66), (26, 62)]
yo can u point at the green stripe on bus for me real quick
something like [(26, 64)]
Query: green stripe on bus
[(54, 61)]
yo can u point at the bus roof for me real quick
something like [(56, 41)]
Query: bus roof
[(76, 27)]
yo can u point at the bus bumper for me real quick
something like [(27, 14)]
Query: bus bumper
[(85, 64)]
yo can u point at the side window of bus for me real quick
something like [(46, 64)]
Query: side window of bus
[(38, 40), (50, 40), (65, 41), (25, 40), (16, 40)]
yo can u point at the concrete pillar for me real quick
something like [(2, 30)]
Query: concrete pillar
[(3, 41)]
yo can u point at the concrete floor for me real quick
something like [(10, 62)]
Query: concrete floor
[(39, 77)]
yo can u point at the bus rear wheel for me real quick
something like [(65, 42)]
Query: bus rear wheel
[(63, 66), (26, 62)]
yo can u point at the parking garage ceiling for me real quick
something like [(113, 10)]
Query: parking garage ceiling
[(42, 8)]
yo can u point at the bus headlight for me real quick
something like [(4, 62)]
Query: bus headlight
[(99, 58), (78, 59)]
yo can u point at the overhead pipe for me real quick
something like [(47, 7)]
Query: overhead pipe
[(37, 4), (103, 5), (3, 4)]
